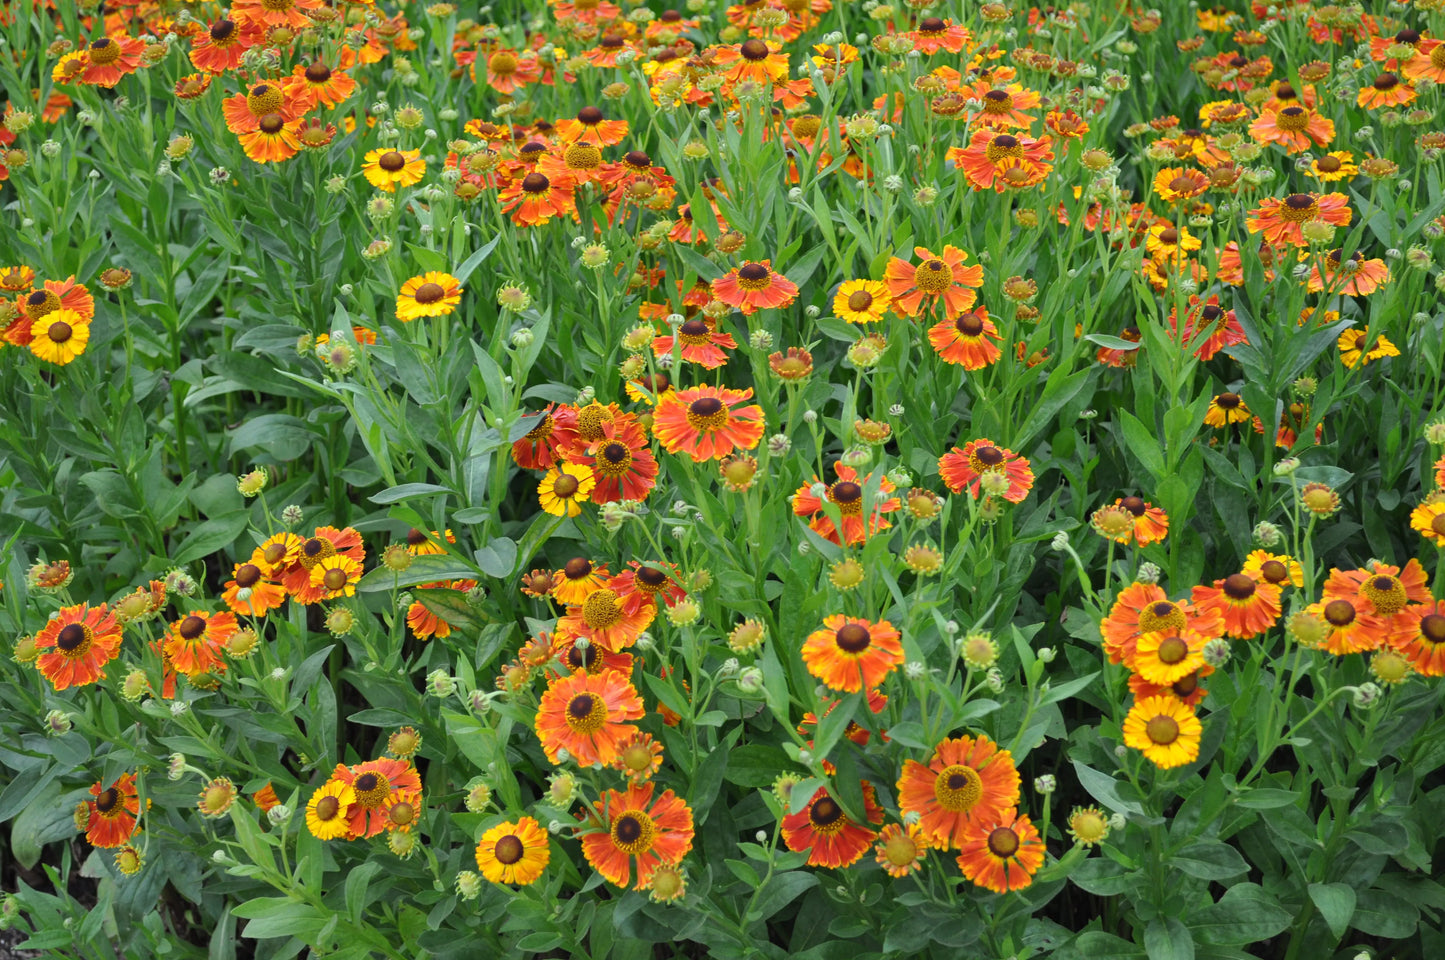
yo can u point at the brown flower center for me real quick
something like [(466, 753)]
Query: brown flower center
[(1003, 842), (74, 639), (754, 50), (565, 486), (852, 638), (1237, 586), (222, 30), (754, 276), (318, 72), (706, 414), (825, 812), (1162, 730), (334, 579), (1293, 119), (59, 332), (860, 300), (1299, 207), (1328, 164), (1386, 81), (535, 183), (508, 850), (429, 293), (1432, 628), (192, 627), (1173, 650), (1340, 613), (1134, 505), (970, 325), (327, 808), (997, 102), (248, 575), (104, 52), (391, 161), (1273, 571)]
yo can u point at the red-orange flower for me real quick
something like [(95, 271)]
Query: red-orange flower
[(704, 422), (379, 784), (1001, 161), (1247, 607), (1296, 128), (831, 839), (113, 812), (847, 494), (325, 542), (252, 591), (587, 716), (851, 654), (1003, 855), (635, 825), (971, 340), (966, 781), (701, 343), (966, 468), (536, 198), (1145, 608), (76, 645), (1418, 632), (1280, 219), (938, 278), (195, 642), (621, 462), (110, 58), (754, 286)]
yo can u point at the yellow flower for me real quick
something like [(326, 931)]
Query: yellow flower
[(1352, 348), (433, 294), (337, 575), (1165, 729), (564, 488), (386, 169), (326, 811), (514, 852), (861, 301), (60, 336)]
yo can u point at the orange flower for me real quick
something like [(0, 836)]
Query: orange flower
[(701, 343), (1003, 161), (195, 642), (967, 467), (275, 13), (325, 542), (76, 644), (1151, 524), (1174, 184), (847, 495), (703, 423), (754, 286), (1003, 855), (314, 84), (578, 578), (274, 139), (605, 619), (110, 58), (261, 593), (622, 463), (113, 812), (656, 832), (1358, 278), (266, 798), (1280, 219), (1145, 608), (425, 624), (1295, 128), (1208, 327), (1419, 633), (220, 48), (1386, 91), (1002, 106), (966, 781), (1248, 608), (758, 60), (507, 71), (586, 716), (851, 654), (1350, 629), (592, 127), (935, 34), (831, 839), (554, 432), (379, 785), (969, 341), (938, 278), (1383, 590), (1186, 688), (536, 198), (244, 111)]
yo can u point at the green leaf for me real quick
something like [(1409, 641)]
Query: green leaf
[(1143, 444), (405, 490), (1382, 914), (1245, 914), (358, 878), (208, 536), (424, 569), (498, 558), (449, 605), (1209, 860), (1166, 938), (1098, 945), (1104, 789), (1336, 904)]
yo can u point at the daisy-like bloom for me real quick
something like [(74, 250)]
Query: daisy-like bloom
[(1002, 161), (850, 654), (1145, 608), (831, 839), (1165, 658), (941, 279), (791, 367), (59, 337), (590, 126), (420, 543), (1356, 277), (1151, 524), (577, 580), (594, 658), (1248, 608), (195, 642), (1334, 166), (1296, 128), (110, 58), (76, 644), (326, 811), (565, 488), (1428, 519), (335, 577), (1176, 184), (1280, 219), (1186, 689), (701, 343), (112, 812), (847, 494), (607, 618), (324, 542), (1003, 854), (754, 286), (544, 444), (705, 423), (536, 198), (1226, 408), (935, 34), (656, 583), (251, 591), (966, 781), (1165, 729), (425, 624), (244, 111), (861, 301), (275, 13), (1428, 61), (377, 785), (507, 71), (1419, 634), (1003, 106), (1349, 629), (216, 797), (1209, 328), (1166, 243), (56, 295), (1278, 569), (756, 60), (315, 84), (514, 852), (622, 464), (965, 468), (901, 849), (220, 47), (1353, 345), (15, 279), (970, 341), (432, 294), (586, 716), (275, 139), (1383, 590), (656, 831), (638, 758), (266, 798), (388, 169), (1386, 91), (69, 67), (193, 86)]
